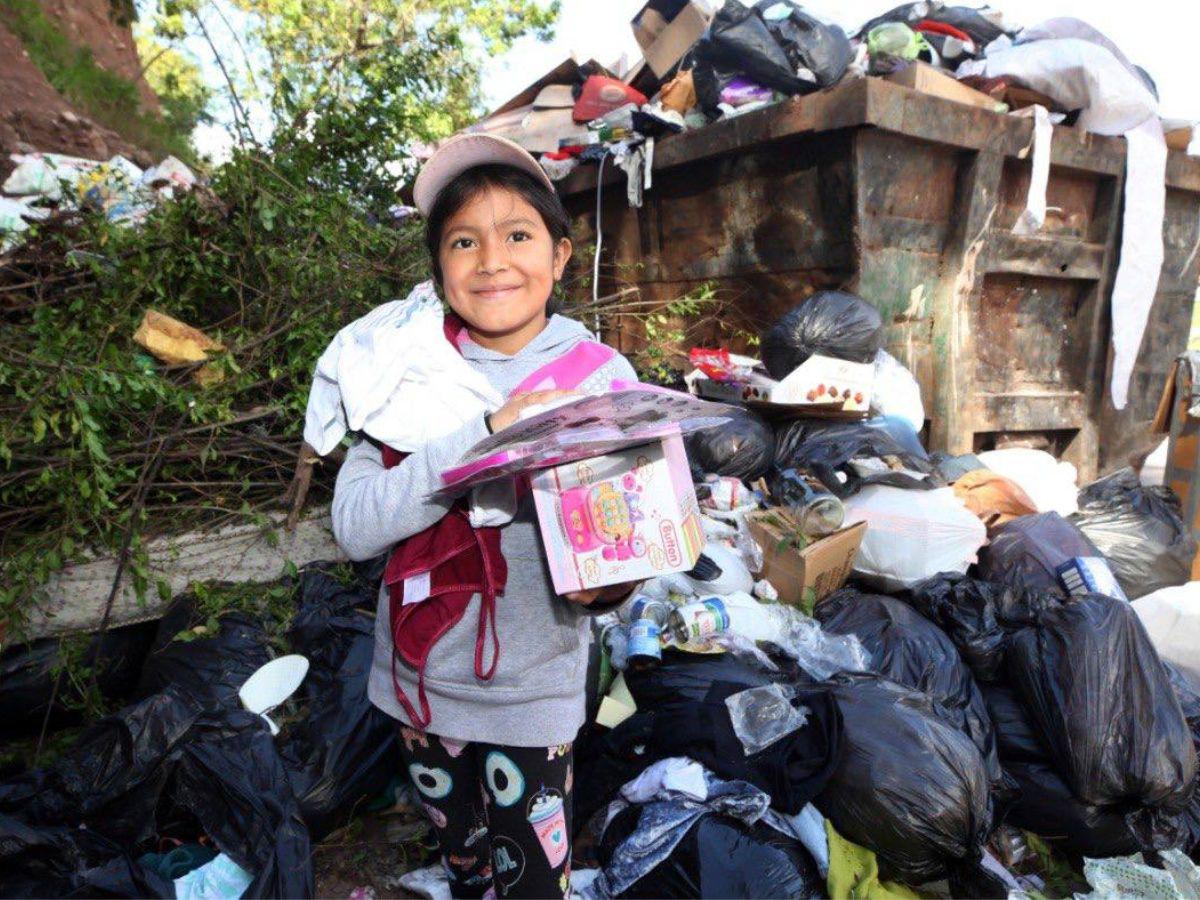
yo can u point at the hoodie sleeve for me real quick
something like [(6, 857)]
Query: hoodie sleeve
[(375, 508)]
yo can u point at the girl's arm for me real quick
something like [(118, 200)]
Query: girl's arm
[(374, 508)]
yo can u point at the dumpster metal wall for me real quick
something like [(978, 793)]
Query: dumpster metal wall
[(910, 200)]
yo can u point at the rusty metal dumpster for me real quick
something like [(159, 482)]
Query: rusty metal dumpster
[(909, 200)]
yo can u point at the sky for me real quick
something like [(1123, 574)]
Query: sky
[(1159, 35)]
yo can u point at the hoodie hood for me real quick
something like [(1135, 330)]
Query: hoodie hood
[(559, 336)]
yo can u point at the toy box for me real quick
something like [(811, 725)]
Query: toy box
[(627, 515)]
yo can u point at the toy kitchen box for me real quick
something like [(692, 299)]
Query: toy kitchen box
[(820, 386), (610, 480)]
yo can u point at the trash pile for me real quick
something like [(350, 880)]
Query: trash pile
[(892, 670), (44, 183), (233, 759)]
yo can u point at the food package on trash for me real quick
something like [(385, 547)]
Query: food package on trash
[(913, 535), (1028, 552), (1140, 530), (1089, 575), (994, 498), (909, 784), (679, 94), (910, 650), (1171, 617), (1050, 484), (829, 323), (820, 387), (896, 393), (1101, 701), (625, 516), (743, 447)]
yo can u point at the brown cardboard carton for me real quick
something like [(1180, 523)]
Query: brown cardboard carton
[(1183, 448), (928, 80), (803, 573), (664, 42)]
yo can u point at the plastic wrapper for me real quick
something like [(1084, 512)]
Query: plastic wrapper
[(721, 857), (743, 447), (817, 51), (831, 323), (912, 535), (1101, 701), (910, 650), (1026, 552), (909, 785), (978, 616), (819, 653), (896, 392), (1050, 484), (994, 498), (763, 715), (1140, 530), (827, 449), (1174, 878)]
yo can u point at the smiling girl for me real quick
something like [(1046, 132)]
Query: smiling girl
[(475, 655)]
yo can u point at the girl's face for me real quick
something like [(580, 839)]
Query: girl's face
[(499, 265)]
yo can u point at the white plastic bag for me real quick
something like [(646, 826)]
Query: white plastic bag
[(1154, 468), (913, 535), (1050, 484), (896, 392), (1171, 617)]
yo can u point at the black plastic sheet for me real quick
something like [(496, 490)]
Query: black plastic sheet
[(742, 447), (1026, 552), (810, 44)]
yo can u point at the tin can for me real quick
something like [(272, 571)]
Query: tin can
[(645, 643), (695, 623), (646, 608)]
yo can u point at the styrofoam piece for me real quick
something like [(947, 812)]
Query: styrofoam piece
[(272, 684)]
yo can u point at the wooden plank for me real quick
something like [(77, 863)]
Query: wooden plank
[(75, 598), (1048, 257)]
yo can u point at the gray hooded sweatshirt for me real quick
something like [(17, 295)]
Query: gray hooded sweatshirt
[(536, 696)]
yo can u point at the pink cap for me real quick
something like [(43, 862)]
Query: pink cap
[(465, 151)]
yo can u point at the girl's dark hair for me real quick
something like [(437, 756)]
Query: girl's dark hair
[(466, 186)]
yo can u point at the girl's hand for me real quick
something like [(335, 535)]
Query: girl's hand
[(613, 593), (510, 411)]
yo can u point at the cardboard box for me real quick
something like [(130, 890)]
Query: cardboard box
[(803, 573), (625, 516), (1174, 417), (665, 31), (925, 78)]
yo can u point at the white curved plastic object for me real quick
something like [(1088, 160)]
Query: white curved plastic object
[(272, 684)]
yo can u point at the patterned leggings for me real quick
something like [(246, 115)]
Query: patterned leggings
[(502, 814)]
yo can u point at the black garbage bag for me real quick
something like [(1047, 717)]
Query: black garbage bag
[(1044, 804), (826, 448), (978, 616), (831, 323), (605, 760), (684, 677), (810, 44), (344, 749), (165, 762), (1140, 530), (910, 785), (209, 669), (742, 447), (738, 42), (1026, 552), (910, 650), (1101, 702), (720, 857), (27, 675)]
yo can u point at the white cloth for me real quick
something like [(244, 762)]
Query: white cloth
[(676, 774), (393, 375), (1080, 68), (1033, 217)]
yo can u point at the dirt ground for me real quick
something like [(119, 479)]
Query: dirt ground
[(371, 853)]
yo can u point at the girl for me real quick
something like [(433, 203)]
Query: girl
[(475, 655)]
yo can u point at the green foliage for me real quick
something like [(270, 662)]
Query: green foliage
[(105, 96), (100, 446), (177, 81), (667, 330)]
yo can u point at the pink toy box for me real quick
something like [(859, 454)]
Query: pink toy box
[(628, 515)]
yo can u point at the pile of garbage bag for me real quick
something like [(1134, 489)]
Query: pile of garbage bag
[(188, 764)]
